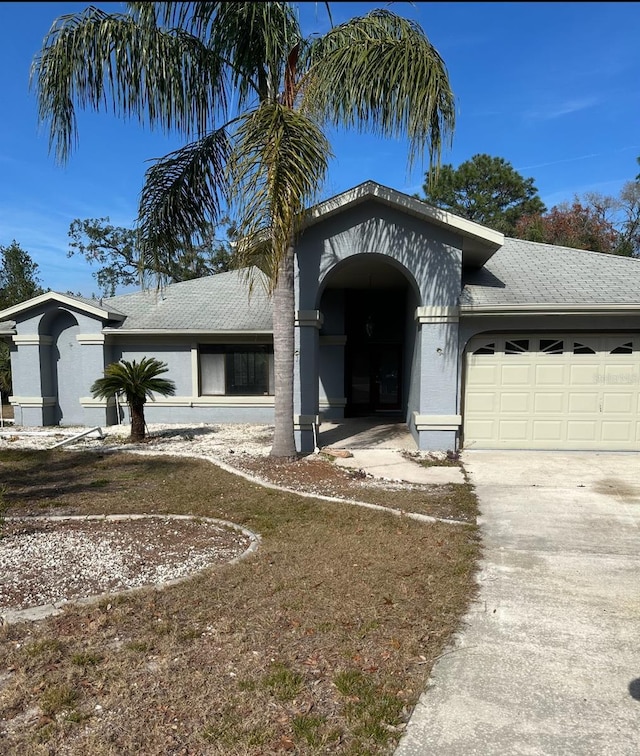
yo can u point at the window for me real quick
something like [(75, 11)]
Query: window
[(236, 370), (623, 349), (551, 346), (517, 346), (579, 348), (486, 349)]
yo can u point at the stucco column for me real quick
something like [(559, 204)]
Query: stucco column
[(305, 387), (437, 423), (31, 371), (94, 411)]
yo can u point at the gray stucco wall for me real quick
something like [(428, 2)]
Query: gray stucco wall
[(431, 256), (430, 259), (52, 370)]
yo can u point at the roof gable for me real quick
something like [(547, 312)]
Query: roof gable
[(479, 243), (88, 306)]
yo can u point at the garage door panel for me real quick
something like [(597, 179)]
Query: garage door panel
[(584, 375), (617, 431), (582, 430), (482, 430), (553, 375), (482, 401), (587, 401), (617, 402), (513, 430), (548, 402), (514, 402), (547, 430), (619, 374), (483, 375), (515, 375), (576, 392)]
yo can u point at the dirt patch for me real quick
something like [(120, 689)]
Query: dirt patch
[(316, 474)]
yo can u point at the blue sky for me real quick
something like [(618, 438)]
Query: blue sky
[(551, 87)]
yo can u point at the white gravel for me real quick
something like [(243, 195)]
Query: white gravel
[(219, 440), (57, 563)]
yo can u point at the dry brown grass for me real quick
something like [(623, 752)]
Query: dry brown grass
[(321, 642)]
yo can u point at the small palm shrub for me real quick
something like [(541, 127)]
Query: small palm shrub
[(137, 381)]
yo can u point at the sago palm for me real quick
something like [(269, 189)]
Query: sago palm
[(254, 99), (137, 382)]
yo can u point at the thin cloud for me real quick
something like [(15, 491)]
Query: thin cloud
[(557, 162), (562, 109)]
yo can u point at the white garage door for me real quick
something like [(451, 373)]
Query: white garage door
[(555, 391)]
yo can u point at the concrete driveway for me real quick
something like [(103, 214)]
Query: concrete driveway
[(548, 660)]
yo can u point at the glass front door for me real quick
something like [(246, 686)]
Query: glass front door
[(375, 378)]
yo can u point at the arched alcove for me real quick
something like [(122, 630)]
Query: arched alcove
[(369, 300), (61, 367)]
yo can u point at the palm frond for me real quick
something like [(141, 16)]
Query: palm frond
[(182, 198), (379, 73), (278, 164), (166, 78), (254, 39), (138, 381)]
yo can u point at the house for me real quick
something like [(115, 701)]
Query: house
[(474, 339)]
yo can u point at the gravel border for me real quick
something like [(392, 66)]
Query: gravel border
[(53, 549)]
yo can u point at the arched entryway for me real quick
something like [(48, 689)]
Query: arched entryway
[(368, 340), (61, 369)]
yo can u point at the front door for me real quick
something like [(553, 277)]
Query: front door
[(374, 377), (375, 322)]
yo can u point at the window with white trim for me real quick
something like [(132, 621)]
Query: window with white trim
[(236, 370)]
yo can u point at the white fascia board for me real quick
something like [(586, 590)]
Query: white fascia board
[(64, 299), (371, 189), (182, 332), (549, 309)]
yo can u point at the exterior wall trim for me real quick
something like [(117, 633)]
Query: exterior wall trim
[(312, 318), (32, 339), (33, 401), (183, 332), (90, 338), (333, 401), (89, 401), (184, 401), (437, 314), (436, 422), (305, 421), (548, 309)]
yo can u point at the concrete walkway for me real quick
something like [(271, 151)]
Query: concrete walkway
[(377, 448), (548, 660)]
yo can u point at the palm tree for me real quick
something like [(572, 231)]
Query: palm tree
[(138, 381), (254, 98)]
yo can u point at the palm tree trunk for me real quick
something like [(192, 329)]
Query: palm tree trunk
[(283, 354), (137, 422)]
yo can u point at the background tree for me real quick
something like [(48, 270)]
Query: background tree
[(484, 189), (19, 280), (596, 222), (118, 251), (137, 381), (19, 276), (239, 79), (577, 225)]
